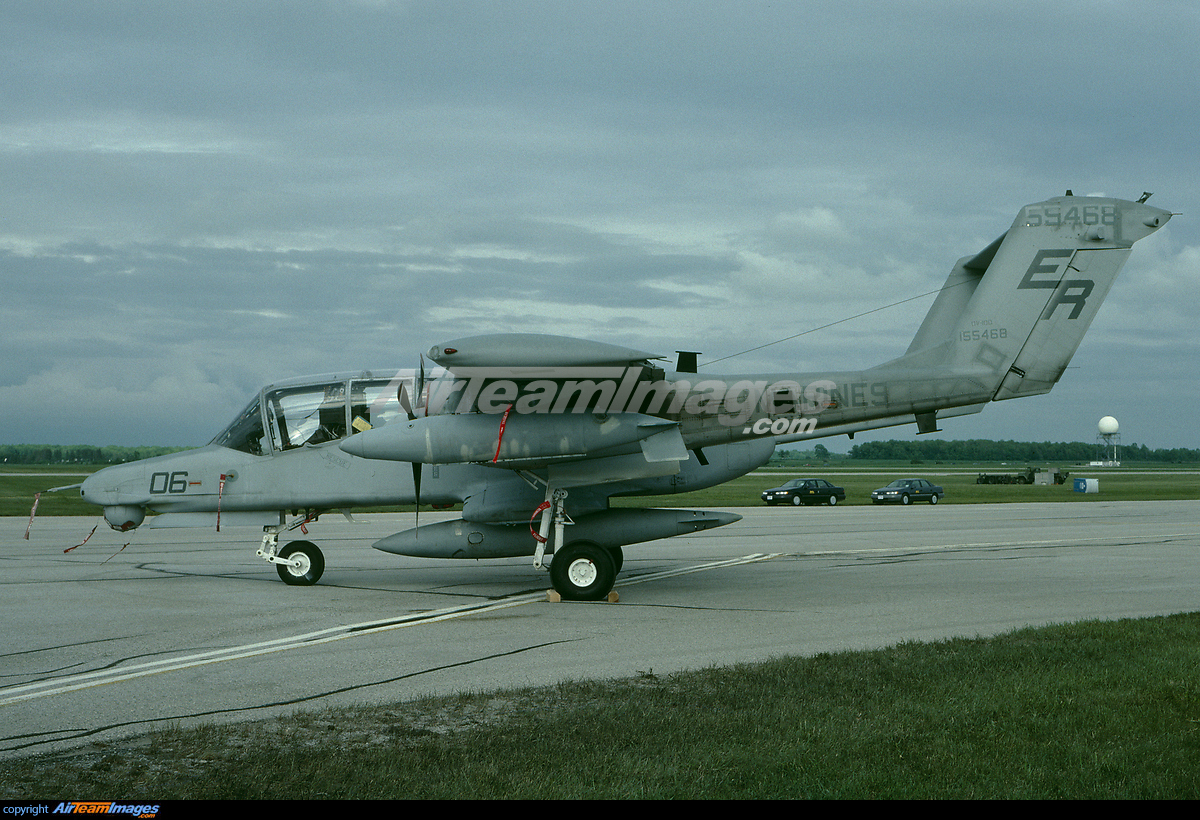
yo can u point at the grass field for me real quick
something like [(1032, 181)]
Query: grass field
[(1090, 710)]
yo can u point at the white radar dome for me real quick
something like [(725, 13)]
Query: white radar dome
[(1108, 426)]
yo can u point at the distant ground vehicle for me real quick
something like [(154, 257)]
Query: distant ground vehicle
[(1025, 476), (908, 490), (1029, 475), (805, 491)]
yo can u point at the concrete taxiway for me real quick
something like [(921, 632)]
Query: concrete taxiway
[(134, 631)]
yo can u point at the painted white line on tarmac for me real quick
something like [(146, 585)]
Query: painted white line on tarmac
[(87, 680)]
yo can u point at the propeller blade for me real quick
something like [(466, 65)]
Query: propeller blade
[(405, 404), (419, 387)]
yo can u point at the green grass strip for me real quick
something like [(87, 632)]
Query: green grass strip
[(1088, 710)]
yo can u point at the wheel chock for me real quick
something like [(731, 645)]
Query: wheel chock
[(554, 598)]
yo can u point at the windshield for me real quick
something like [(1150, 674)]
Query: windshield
[(245, 433)]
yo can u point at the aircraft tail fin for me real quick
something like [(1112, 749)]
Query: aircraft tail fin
[(1013, 314)]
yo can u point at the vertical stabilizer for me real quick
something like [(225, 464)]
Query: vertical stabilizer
[(1015, 313)]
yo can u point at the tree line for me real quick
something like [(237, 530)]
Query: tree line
[(1020, 451), (77, 453)]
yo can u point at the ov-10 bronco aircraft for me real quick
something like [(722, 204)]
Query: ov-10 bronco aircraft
[(534, 434)]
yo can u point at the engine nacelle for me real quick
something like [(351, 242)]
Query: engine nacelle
[(477, 437)]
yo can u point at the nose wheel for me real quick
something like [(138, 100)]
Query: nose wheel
[(300, 564)]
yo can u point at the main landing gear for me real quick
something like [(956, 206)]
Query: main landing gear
[(299, 563), (579, 570)]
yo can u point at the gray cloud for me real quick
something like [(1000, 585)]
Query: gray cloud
[(201, 197)]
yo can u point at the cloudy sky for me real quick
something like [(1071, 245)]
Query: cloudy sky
[(200, 198)]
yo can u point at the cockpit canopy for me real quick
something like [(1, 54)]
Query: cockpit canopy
[(313, 411)]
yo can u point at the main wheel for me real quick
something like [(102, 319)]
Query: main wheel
[(304, 566), (582, 571), (618, 559)]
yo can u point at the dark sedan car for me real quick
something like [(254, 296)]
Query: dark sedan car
[(805, 491), (908, 490)]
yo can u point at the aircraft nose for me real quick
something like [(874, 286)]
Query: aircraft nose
[(119, 484), (118, 490), (91, 490)]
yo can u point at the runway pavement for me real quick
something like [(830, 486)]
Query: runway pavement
[(169, 627)]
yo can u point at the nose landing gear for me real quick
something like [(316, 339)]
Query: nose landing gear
[(299, 563)]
